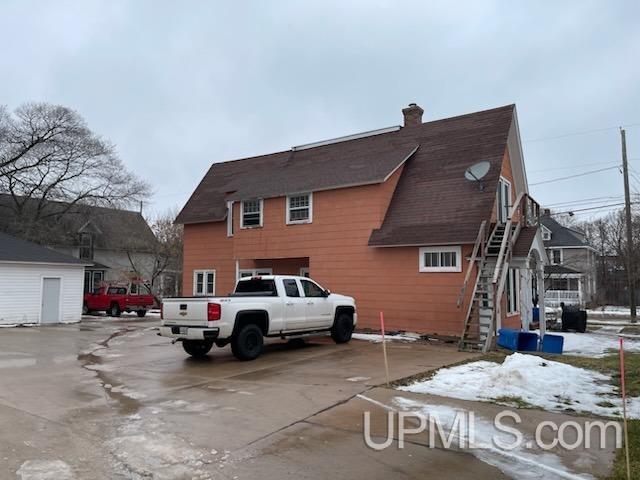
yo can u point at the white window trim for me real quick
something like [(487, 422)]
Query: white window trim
[(423, 250), (499, 209), (551, 256), (295, 222), (242, 214), (254, 272), (514, 291), (204, 282), (546, 231), (230, 219)]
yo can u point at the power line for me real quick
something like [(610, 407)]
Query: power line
[(573, 166), (583, 132), (600, 207), (570, 202), (573, 176)]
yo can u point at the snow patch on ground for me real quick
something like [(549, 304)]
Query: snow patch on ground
[(45, 470), (594, 344), (127, 392), (375, 338), (521, 463), (142, 451), (358, 379), (539, 382), (159, 456)]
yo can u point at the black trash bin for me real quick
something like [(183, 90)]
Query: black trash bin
[(574, 319)]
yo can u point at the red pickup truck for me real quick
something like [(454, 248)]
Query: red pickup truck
[(115, 299)]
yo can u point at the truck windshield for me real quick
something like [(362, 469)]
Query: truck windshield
[(257, 285)]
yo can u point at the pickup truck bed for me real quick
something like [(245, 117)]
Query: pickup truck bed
[(267, 306)]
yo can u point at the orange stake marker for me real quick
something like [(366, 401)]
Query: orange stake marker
[(384, 348), (624, 408)]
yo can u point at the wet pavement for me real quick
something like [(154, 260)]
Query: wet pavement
[(109, 399)]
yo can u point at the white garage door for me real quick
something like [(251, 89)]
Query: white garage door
[(50, 300)]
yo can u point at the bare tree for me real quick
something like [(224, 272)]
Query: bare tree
[(49, 155), (166, 254)]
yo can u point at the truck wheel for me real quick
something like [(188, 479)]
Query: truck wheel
[(141, 313), (247, 343), (342, 328), (85, 309), (114, 310), (197, 348)]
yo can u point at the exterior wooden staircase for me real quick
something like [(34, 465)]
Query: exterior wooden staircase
[(491, 256)]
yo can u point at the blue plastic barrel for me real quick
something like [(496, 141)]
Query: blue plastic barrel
[(508, 338), (552, 343), (527, 342)]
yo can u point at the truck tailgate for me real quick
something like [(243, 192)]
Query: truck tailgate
[(185, 311)]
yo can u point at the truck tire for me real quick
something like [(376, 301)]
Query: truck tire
[(197, 348), (342, 328), (246, 343), (141, 313), (114, 310), (85, 309)]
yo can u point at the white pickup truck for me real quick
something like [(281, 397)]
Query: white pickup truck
[(278, 306)]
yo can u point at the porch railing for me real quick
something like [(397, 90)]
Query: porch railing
[(553, 298)]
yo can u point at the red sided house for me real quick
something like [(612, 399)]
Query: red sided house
[(388, 217)]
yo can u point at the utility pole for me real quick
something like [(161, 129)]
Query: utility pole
[(627, 212)]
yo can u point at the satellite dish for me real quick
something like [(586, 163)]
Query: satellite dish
[(476, 172)]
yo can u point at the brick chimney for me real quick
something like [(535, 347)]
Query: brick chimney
[(412, 115), (546, 212)]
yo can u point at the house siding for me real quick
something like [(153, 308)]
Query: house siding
[(21, 287), (339, 258)]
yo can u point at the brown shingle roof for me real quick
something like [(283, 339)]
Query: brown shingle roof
[(433, 203), (355, 162)]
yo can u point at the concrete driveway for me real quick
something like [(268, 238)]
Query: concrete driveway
[(108, 398)]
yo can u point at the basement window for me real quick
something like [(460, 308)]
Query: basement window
[(299, 208), (204, 282), (440, 259), (251, 214)]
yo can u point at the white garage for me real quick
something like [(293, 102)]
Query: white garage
[(38, 285)]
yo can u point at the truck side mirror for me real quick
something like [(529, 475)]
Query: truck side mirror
[(327, 292)]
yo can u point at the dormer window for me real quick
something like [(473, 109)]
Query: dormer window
[(546, 234), (299, 208), (251, 213), (86, 246)]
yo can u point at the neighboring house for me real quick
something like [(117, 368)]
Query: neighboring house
[(37, 284), (571, 277), (385, 216), (115, 243)]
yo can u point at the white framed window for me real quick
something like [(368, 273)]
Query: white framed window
[(546, 234), (555, 255), (251, 213), (299, 208), (440, 259), (204, 282), (254, 272), (513, 291)]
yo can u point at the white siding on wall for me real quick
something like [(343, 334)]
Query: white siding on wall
[(21, 291)]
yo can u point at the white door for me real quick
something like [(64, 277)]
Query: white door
[(319, 312), (294, 306), (50, 312), (504, 200)]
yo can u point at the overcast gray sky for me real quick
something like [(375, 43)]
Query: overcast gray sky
[(179, 85)]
